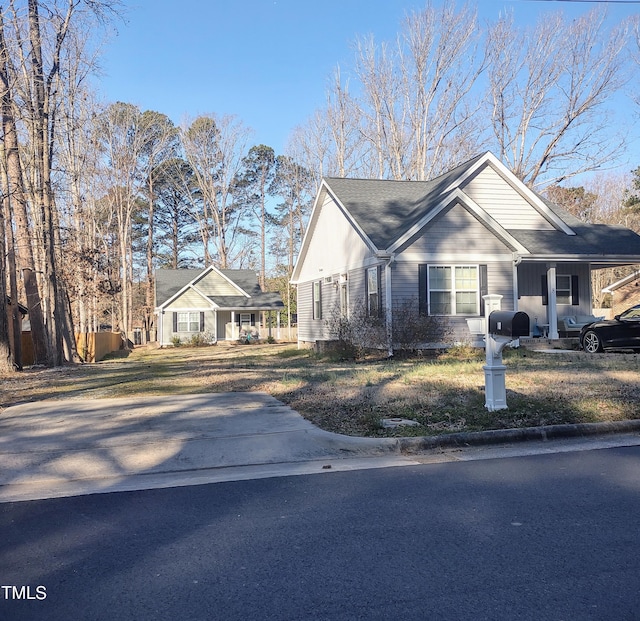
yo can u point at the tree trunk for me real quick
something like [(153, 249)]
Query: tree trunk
[(15, 190), (150, 298), (6, 358), (14, 316)]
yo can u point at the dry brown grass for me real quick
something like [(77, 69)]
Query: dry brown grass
[(444, 394)]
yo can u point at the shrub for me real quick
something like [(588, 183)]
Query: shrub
[(413, 330), (176, 341), (198, 340), (356, 333)]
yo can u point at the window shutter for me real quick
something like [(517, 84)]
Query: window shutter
[(201, 321), (575, 294), (545, 290), (379, 274), (484, 287), (253, 319), (175, 322), (238, 318), (422, 290)]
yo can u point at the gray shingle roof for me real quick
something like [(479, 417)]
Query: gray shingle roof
[(169, 282), (262, 301), (384, 209), (590, 240)]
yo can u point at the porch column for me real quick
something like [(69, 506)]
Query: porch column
[(161, 328), (233, 326), (552, 310), (215, 325)]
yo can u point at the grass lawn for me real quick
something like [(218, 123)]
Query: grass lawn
[(443, 394)]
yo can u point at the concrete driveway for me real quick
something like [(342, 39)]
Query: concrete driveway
[(62, 448), (54, 448)]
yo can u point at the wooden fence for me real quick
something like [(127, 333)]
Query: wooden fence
[(92, 347)]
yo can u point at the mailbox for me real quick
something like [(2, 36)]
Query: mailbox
[(513, 324)]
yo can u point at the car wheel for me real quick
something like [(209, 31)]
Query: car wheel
[(591, 342)]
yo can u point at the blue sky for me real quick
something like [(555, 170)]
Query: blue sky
[(267, 61)]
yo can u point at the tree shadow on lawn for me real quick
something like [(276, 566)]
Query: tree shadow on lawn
[(352, 398)]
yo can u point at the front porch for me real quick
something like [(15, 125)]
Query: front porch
[(542, 343)]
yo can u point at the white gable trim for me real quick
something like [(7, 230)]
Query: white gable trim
[(192, 285), (622, 282), (325, 190), (517, 185), (458, 196)]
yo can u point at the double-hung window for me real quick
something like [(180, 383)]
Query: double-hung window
[(563, 289), (344, 299), (373, 291), (453, 290), (317, 299), (567, 289), (188, 322)]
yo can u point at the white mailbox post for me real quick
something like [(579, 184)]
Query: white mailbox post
[(494, 381), (502, 328)]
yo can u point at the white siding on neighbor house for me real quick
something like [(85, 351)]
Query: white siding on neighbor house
[(334, 245), (215, 284), (167, 327), (224, 317), (455, 233), (190, 299), (503, 203)]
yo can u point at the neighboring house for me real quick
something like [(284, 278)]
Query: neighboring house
[(624, 293), (219, 304), (442, 245)]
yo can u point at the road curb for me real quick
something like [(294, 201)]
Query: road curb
[(499, 436)]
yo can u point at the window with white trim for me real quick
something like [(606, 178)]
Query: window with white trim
[(453, 290), (344, 299), (188, 322), (373, 292), (317, 299), (564, 294)]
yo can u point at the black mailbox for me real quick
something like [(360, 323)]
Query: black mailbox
[(509, 323)]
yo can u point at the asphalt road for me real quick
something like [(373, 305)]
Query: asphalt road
[(545, 537)]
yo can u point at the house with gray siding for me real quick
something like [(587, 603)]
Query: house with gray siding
[(220, 305), (441, 245)]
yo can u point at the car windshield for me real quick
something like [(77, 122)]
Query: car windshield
[(632, 313)]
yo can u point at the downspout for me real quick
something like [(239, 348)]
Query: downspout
[(516, 285), (388, 303)]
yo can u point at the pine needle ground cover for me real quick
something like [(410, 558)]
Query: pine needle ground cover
[(442, 393)]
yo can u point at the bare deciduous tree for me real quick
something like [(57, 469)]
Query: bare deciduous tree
[(214, 147), (549, 88)]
